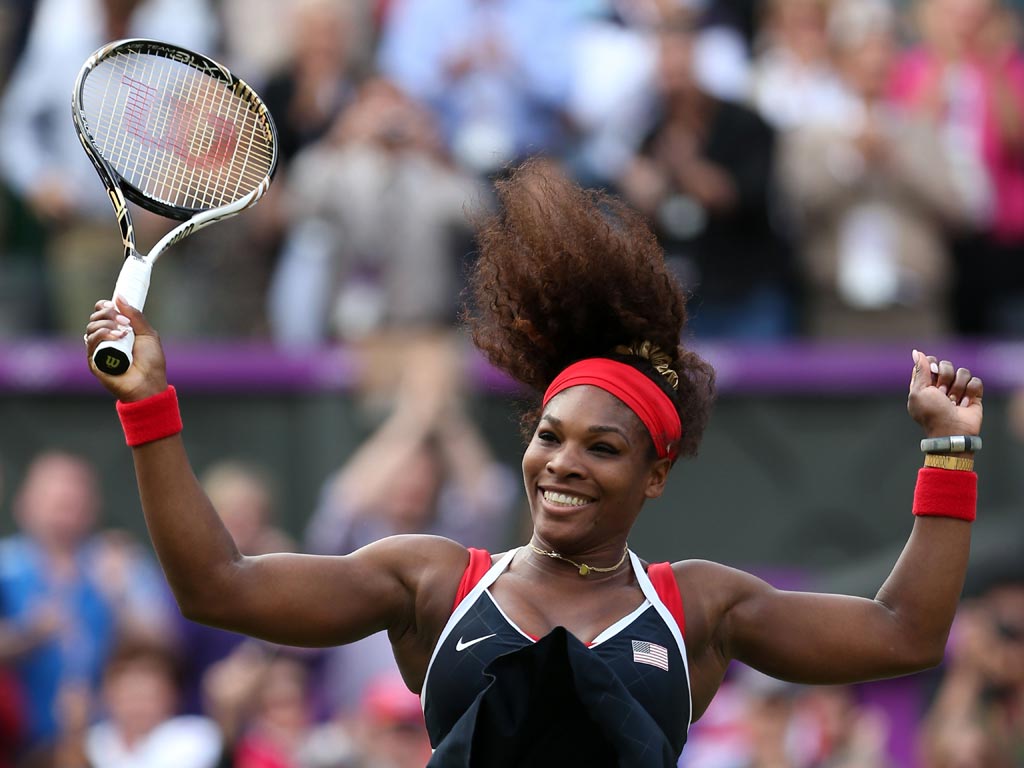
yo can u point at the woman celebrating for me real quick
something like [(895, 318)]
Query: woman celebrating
[(570, 647)]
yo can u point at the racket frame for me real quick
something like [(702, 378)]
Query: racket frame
[(115, 357)]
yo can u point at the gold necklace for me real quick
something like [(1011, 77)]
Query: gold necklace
[(583, 567)]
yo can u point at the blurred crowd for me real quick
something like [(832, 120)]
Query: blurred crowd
[(814, 168), (98, 669), (827, 169)]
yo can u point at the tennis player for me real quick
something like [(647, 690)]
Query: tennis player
[(571, 647)]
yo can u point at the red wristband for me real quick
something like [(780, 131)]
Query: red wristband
[(150, 419), (946, 493)]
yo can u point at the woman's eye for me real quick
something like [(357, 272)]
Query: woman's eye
[(604, 448), (547, 437)]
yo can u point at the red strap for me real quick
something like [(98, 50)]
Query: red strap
[(479, 564), (664, 580), (946, 493)]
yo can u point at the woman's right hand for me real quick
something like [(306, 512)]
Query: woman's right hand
[(147, 374)]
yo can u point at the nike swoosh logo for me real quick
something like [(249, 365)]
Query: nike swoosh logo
[(461, 646)]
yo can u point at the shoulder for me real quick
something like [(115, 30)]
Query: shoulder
[(709, 591), (16, 556), (419, 556), (430, 567)]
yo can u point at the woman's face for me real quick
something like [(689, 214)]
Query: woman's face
[(588, 470)]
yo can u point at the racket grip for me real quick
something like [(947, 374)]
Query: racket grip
[(114, 357)]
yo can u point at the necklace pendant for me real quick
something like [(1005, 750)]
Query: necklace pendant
[(584, 569)]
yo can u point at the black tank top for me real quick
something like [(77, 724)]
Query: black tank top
[(644, 649)]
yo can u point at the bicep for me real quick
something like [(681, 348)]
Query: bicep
[(315, 600), (808, 637)]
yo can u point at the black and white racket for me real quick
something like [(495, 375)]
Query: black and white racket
[(177, 134)]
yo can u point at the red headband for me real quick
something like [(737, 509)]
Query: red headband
[(645, 398)]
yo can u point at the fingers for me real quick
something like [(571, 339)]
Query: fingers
[(106, 323), (958, 384), (959, 387), (973, 391), (135, 317), (923, 375)]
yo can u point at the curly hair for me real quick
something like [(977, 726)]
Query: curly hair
[(565, 273)]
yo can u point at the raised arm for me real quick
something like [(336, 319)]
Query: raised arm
[(403, 584), (819, 638)]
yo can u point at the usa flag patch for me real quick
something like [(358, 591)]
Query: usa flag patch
[(650, 653)]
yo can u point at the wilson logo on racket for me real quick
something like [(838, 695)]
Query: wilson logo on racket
[(194, 136)]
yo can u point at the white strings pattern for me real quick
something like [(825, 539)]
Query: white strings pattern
[(177, 134)]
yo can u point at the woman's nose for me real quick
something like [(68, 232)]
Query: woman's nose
[(566, 462)]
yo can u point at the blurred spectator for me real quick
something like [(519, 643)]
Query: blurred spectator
[(67, 594), (308, 92), (977, 718), (614, 74), (389, 729), (721, 44), (378, 226), (497, 73), (49, 590), (244, 498), (140, 728), (262, 698), (259, 37), (133, 585), (425, 469), (41, 158), (875, 198), (968, 76), (282, 719), (766, 723), (793, 82), (15, 19), (704, 175)]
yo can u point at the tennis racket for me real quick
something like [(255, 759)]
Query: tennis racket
[(177, 134)]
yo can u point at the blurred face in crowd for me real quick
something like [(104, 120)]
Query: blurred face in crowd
[(675, 63), (866, 65), (968, 17), (412, 495), (321, 35), (139, 694), (58, 501), (390, 727), (1006, 607), (799, 26), (283, 696), (243, 502)]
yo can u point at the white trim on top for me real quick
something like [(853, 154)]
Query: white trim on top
[(462, 609), (652, 594)]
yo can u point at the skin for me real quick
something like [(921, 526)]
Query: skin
[(588, 445)]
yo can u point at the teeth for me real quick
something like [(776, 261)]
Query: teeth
[(561, 498)]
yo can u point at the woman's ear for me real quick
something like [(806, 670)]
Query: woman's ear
[(657, 478)]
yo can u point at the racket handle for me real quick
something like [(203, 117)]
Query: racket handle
[(114, 358)]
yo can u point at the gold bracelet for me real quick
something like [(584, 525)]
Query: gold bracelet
[(960, 463)]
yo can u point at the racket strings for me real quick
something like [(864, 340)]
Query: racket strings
[(177, 134)]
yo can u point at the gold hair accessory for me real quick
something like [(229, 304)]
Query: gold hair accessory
[(655, 355), (583, 567)]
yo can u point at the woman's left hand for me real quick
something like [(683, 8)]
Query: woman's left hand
[(943, 399)]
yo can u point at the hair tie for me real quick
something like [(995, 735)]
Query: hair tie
[(655, 355)]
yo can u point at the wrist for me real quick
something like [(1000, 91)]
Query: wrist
[(945, 493), (951, 444), (150, 419), (146, 390), (950, 461)]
